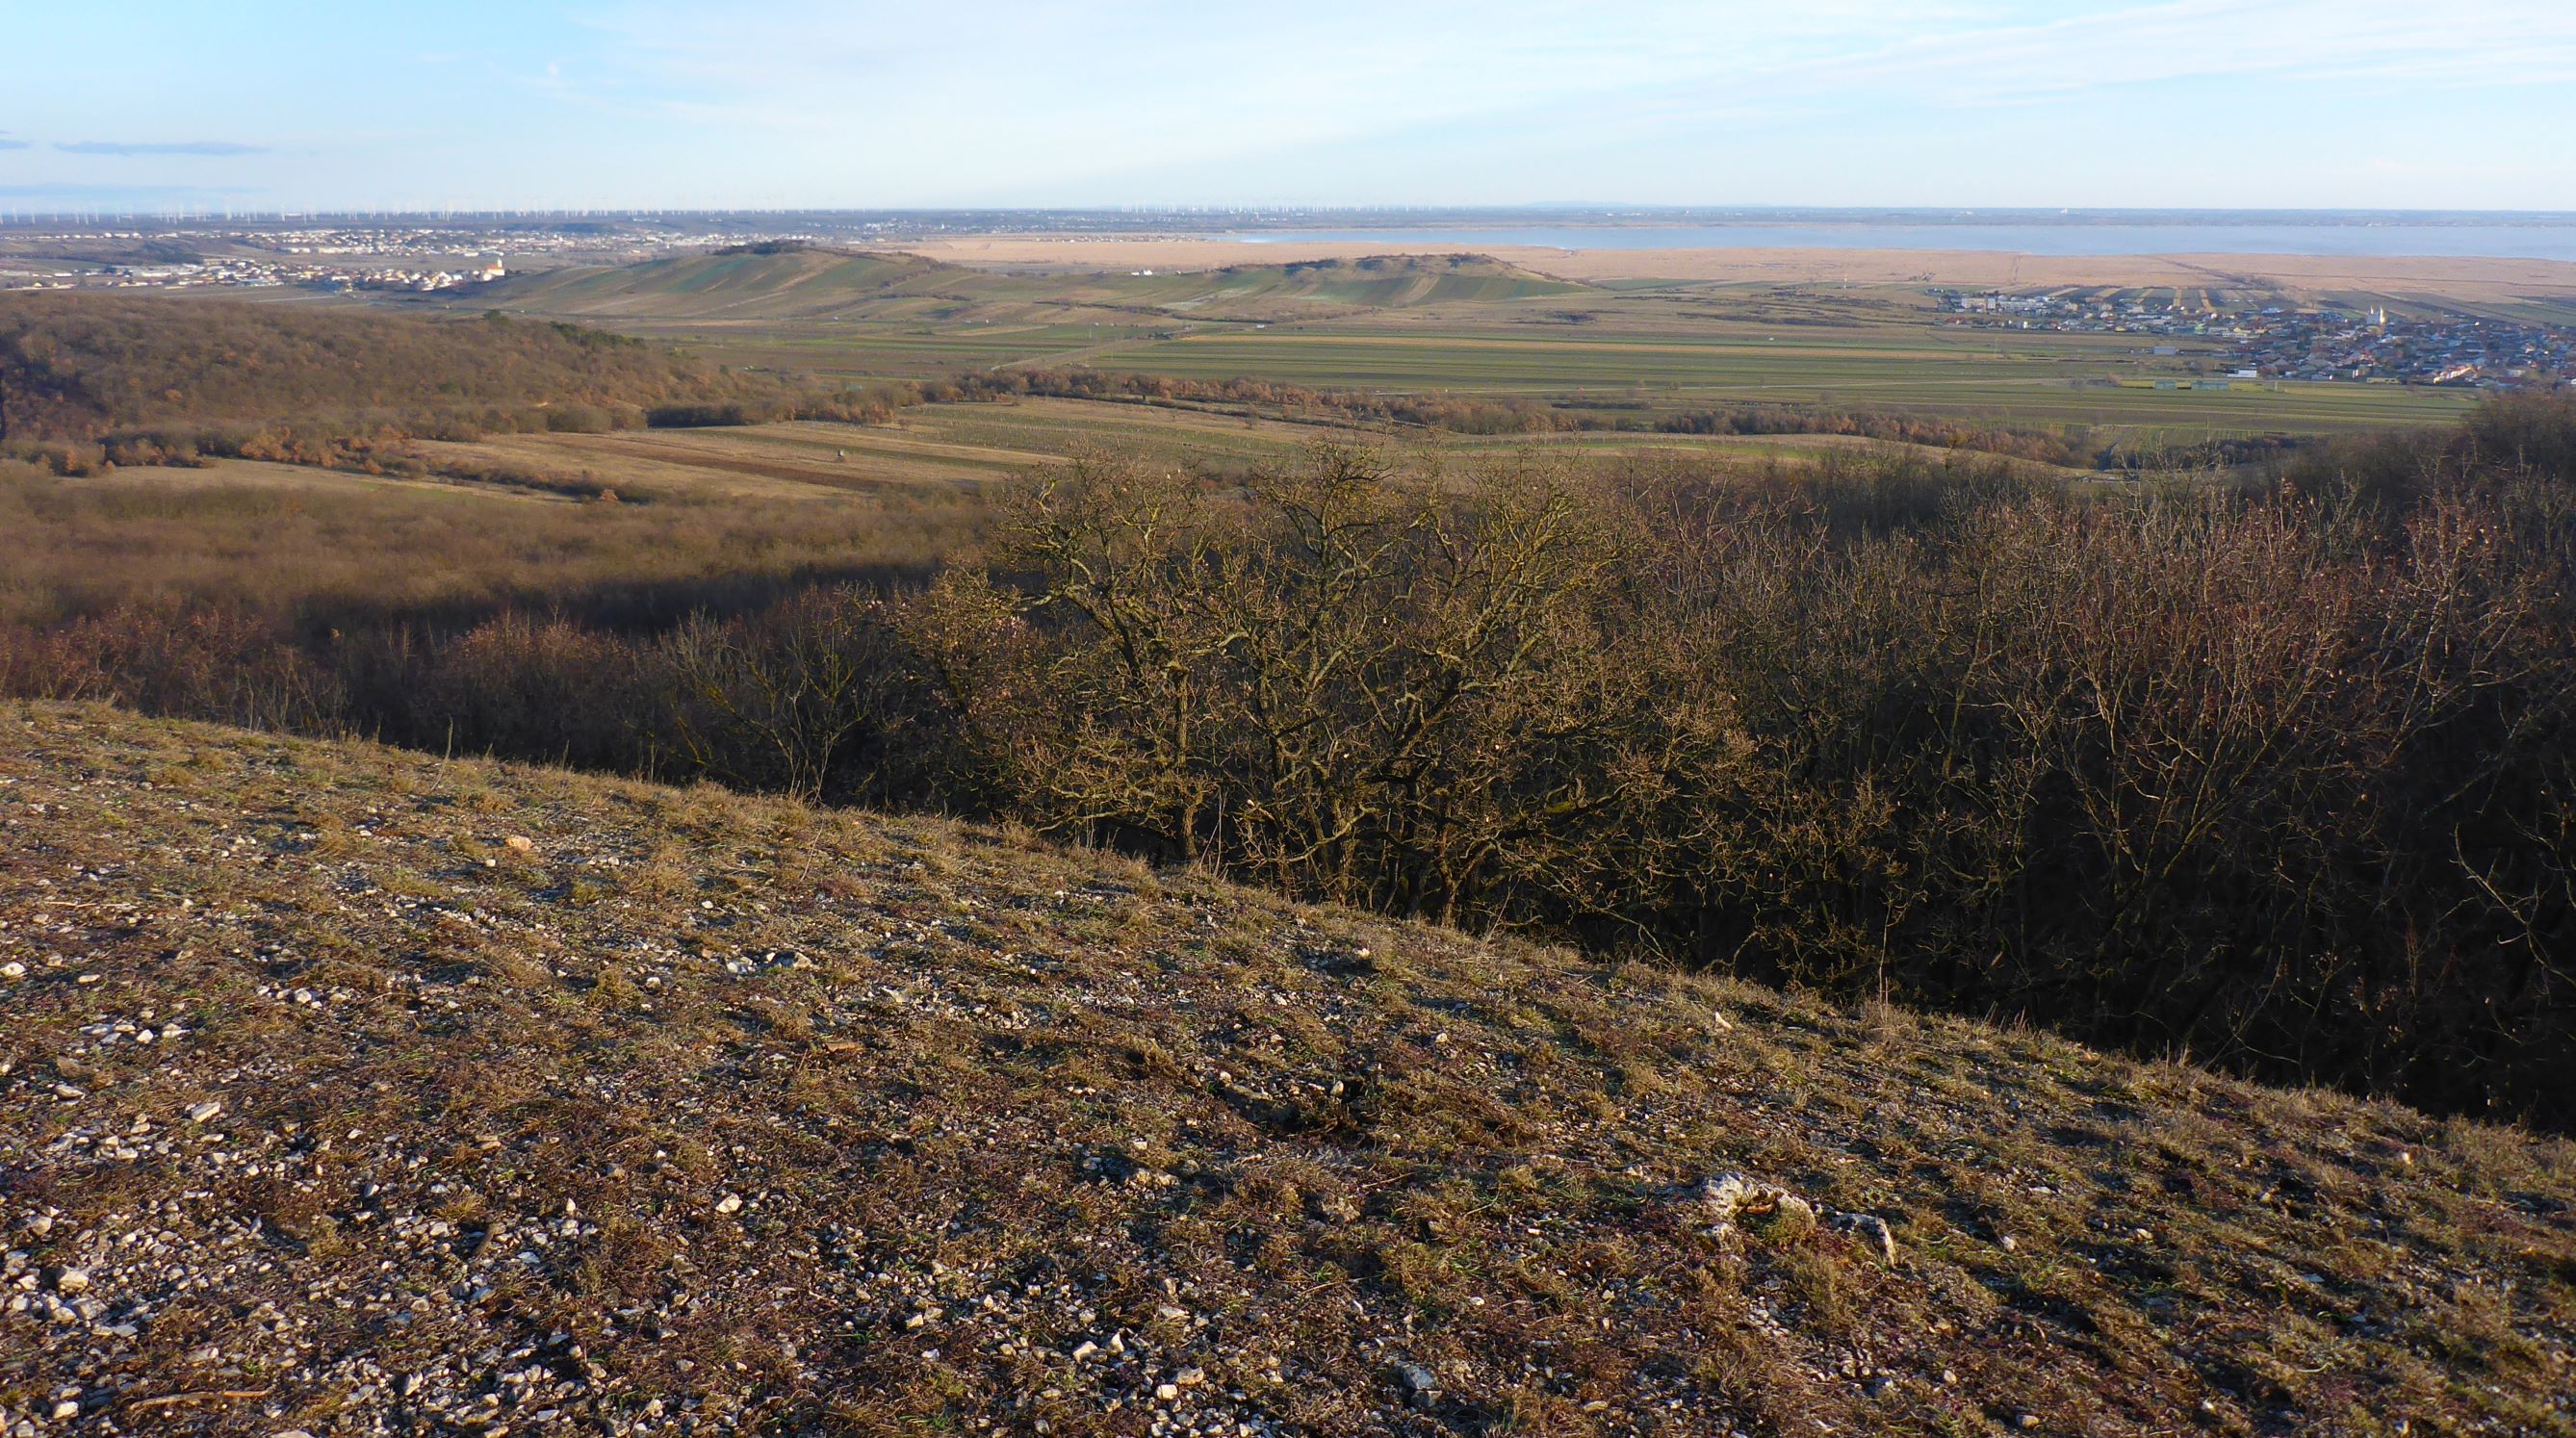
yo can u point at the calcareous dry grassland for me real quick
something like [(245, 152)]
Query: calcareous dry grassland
[(352, 1091)]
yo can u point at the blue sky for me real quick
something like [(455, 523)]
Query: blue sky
[(656, 103)]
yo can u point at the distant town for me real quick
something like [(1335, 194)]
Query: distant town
[(432, 252), (257, 274), (334, 257), (2275, 342)]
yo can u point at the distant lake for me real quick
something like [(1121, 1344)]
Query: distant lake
[(2539, 240)]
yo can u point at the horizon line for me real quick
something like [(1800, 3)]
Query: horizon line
[(207, 210)]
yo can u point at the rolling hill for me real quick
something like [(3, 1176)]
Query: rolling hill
[(751, 283), (1378, 282), (349, 1090), (791, 284)]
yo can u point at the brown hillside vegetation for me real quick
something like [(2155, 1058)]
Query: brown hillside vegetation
[(90, 379), (2280, 780), (80, 366), (274, 549), (347, 1090)]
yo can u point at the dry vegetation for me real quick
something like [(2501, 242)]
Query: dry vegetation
[(2280, 780), (347, 1090), (88, 382), (286, 553), (2284, 782), (351, 1090)]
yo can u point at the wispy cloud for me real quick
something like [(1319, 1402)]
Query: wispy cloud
[(887, 102), (8, 144), (1052, 91), (158, 147)]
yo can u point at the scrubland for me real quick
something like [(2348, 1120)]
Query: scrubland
[(1465, 917)]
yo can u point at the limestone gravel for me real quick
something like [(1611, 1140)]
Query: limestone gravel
[(698, 1114)]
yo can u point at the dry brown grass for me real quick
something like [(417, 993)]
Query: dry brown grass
[(1035, 1099), (333, 548)]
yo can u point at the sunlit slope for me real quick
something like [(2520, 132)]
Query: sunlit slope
[(352, 1090), (1379, 282), (808, 284), (739, 285)]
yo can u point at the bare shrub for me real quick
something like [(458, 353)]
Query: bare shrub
[(1336, 680), (809, 697), (2280, 776)]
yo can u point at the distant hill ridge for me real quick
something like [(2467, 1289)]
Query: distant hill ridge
[(1397, 280), (790, 281), (746, 280)]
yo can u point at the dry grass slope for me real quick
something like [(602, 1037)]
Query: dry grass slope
[(349, 1090), (724, 285)]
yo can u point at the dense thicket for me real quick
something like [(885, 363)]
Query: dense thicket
[(87, 380), (2288, 782), (2286, 779)]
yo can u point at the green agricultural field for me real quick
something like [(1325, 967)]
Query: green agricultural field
[(2051, 380), (873, 349), (1630, 356)]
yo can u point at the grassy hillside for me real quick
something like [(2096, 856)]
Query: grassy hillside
[(349, 1090), (784, 285), (739, 284), (1377, 282)]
